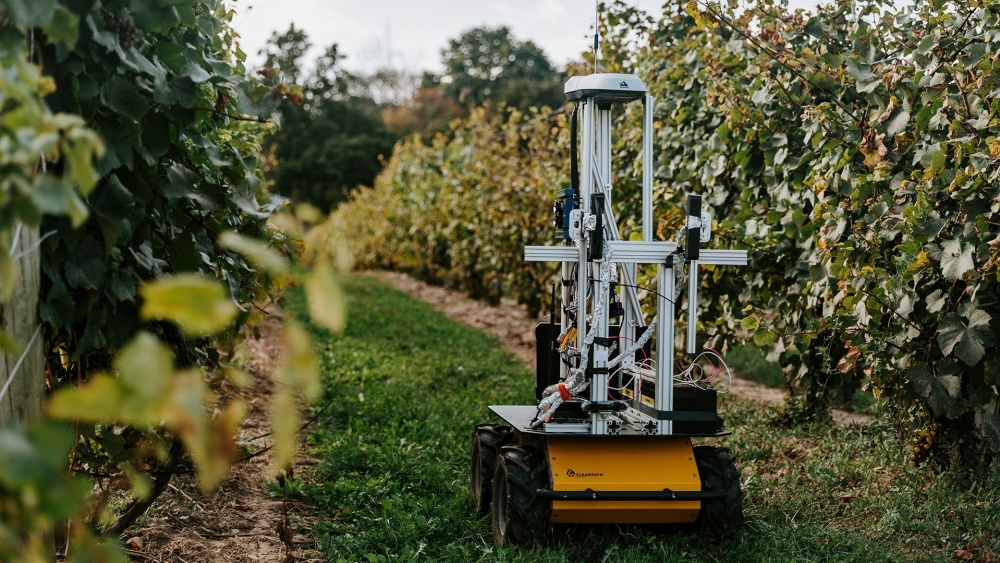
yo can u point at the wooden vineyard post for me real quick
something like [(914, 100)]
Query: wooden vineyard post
[(22, 371)]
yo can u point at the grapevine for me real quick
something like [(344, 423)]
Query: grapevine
[(852, 151)]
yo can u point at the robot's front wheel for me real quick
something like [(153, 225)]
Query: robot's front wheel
[(719, 518), (519, 515)]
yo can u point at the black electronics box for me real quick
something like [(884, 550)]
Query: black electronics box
[(695, 408)]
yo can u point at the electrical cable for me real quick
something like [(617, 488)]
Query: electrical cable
[(620, 390), (643, 350), (683, 376), (656, 293)]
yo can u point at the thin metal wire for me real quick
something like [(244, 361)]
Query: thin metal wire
[(17, 238), (17, 366), (34, 247)]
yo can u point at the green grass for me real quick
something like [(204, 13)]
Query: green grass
[(410, 385)]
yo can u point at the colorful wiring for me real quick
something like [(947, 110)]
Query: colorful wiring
[(632, 382), (686, 376)]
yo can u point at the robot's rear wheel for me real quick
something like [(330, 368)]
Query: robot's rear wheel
[(487, 439)]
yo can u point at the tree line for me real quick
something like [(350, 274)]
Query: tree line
[(336, 135)]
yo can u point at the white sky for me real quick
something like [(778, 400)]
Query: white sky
[(411, 33)]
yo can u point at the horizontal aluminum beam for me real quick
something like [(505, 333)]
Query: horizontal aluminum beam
[(551, 253), (722, 257), (635, 252), (641, 252)]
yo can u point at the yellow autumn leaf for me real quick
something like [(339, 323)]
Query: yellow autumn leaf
[(284, 427), (144, 370), (255, 251), (221, 442), (46, 86), (922, 260), (308, 213), (93, 401), (298, 369), (183, 413), (197, 304), (142, 485), (994, 147), (326, 299)]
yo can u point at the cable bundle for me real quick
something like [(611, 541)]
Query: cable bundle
[(577, 382)]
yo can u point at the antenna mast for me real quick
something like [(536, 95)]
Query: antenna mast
[(597, 21)]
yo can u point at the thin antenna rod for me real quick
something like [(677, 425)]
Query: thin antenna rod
[(597, 21)]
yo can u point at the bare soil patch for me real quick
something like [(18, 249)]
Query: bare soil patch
[(240, 521), (515, 330)]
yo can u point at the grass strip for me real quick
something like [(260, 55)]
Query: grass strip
[(410, 384)]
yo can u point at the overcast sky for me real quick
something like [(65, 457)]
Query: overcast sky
[(411, 33)]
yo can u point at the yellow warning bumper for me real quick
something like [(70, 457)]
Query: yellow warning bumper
[(638, 470)]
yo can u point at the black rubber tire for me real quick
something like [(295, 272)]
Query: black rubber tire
[(719, 518), (487, 439), (519, 516)]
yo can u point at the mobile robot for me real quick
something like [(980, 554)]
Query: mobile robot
[(609, 439)]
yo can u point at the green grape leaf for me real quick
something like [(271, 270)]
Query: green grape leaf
[(171, 54), (988, 422), (255, 101), (867, 80), (929, 227), (65, 27), (194, 71), (122, 286), (956, 259), (32, 13), (86, 267), (155, 137), (197, 304), (897, 123), (169, 3), (123, 98), (936, 301), (941, 391), (765, 337), (34, 460), (750, 323), (50, 196), (965, 335), (150, 17)]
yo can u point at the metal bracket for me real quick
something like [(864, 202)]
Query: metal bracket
[(576, 225), (703, 223)]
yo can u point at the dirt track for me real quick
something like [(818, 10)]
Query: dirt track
[(241, 520)]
